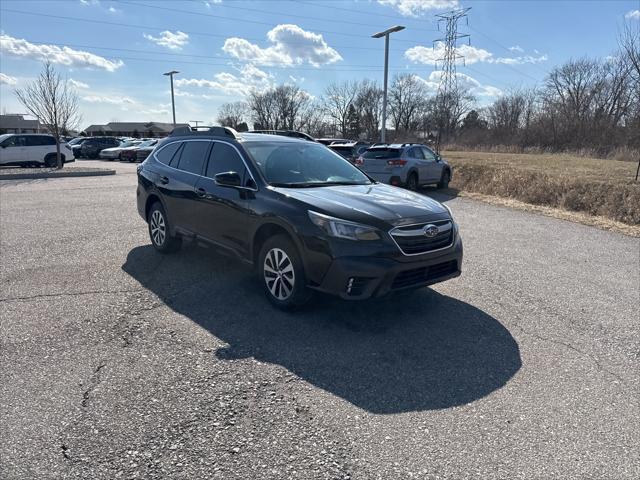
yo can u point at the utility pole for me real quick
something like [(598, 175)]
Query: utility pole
[(448, 88), (385, 34), (173, 103)]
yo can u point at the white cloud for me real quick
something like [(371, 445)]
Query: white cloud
[(291, 45), (62, 55), (414, 8), (112, 100), (7, 79), (208, 3), (517, 48), (249, 78), (465, 82), (78, 83), (173, 41), (433, 56), (519, 60), (430, 56), (633, 15)]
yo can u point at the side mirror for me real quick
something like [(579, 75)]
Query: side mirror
[(438, 157), (228, 179)]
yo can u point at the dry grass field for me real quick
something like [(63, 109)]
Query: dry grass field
[(604, 188)]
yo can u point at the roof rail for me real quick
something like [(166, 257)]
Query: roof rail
[(410, 143), (202, 130)]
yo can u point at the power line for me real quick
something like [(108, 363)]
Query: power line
[(151, 27)]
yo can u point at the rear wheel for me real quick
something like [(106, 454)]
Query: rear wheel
[(412, 181), (444, 181), (51, 161), (282, 273), (159, 232)]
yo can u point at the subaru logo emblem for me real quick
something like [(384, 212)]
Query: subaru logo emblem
[(430, 230)]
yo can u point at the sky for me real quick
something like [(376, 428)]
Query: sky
[(114, 53)]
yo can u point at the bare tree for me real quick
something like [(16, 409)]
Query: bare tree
[(407, 102), (233, 114), (282, 107), (51, 99), (337, 99), (368, 104)]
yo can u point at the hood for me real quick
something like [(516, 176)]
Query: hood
[(378, 204)]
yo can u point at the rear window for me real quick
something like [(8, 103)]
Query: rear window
[(382, 153), (166, 153), (342, 150)]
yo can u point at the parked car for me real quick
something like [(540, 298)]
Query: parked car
[(408, 164), (349, 150), (92, 146), (286, 133), (115, 153), (301, 214), (139, 152), (76, 145), (32, 149)]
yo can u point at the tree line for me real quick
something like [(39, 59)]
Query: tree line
[(583, 103)]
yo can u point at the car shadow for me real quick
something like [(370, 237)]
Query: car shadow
[(440, 194), (409, 352)]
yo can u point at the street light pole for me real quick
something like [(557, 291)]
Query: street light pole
[(173, 103), (385, 34)]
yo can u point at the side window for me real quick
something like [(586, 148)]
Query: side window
[(428, 154), (33, 141), (49, 141), (193, 156), (224, 158), (417, 153), (166, 153), (17, 141)]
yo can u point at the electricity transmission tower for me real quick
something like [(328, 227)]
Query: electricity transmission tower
[(448, 87)]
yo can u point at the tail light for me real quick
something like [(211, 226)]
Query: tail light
[(359, 161), (396, 162)]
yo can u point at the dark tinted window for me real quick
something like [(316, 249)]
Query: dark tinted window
[(38, 141), (344, 151), (382, 153), (193, 156), (166, 153), (17, 141), (224, 158)]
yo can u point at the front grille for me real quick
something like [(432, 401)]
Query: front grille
[(418, 276), (412, 240)]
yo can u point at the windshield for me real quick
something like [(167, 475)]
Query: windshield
[(4, 137), (382, 153), (303, 165)]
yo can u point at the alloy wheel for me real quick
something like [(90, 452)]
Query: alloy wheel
[(279, 274), (158, 228)]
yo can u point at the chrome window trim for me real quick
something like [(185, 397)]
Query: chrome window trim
[(453, 239), (204, 176)]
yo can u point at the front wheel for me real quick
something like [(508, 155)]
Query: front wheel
[(159, 232), (282, 273), (445, 179)]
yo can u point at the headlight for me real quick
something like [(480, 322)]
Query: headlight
[(343, 228), (448, 210)]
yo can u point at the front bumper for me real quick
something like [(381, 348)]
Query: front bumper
[(358, 278)]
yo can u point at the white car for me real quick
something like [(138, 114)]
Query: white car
[(114, 152), (32, 149)]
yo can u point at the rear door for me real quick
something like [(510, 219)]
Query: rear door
[(187, 166), (222, 211), (433, 168)]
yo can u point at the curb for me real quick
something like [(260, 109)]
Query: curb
[(63, 174)]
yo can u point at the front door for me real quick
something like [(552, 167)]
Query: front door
[(433, 168), (222, 211), (13, 150)]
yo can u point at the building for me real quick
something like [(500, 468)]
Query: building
[(15, 123), (132, 129)]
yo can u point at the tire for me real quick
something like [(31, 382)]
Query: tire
[(159, 229), (444, 181), (282, 273), (51, 161), (412, 181)]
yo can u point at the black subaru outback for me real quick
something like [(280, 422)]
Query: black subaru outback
[(301, 214)]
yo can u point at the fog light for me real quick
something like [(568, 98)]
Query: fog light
[(350, 284)]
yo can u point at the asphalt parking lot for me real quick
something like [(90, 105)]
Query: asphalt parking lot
[(116, 362)]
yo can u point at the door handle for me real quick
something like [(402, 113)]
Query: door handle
[(164, 180), (201, 192)]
